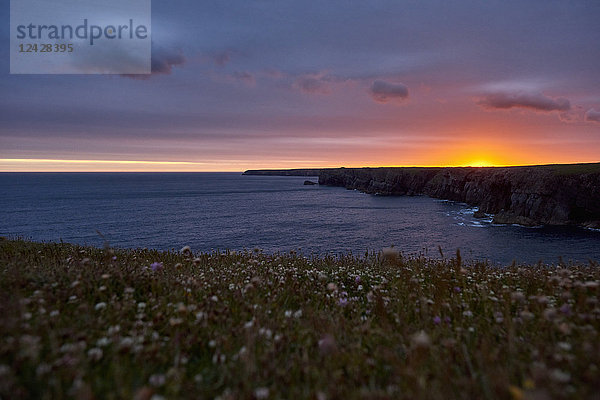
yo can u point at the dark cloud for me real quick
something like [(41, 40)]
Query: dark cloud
[(221, 59), (592, 115), (384, 92), (162, 62), (313, 84), (531, 101), (245, 77)]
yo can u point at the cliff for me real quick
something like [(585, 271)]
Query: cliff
[(530, 195)]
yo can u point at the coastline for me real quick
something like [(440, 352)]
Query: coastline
[(565, 194)]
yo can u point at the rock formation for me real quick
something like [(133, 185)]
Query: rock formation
[(531, 195)]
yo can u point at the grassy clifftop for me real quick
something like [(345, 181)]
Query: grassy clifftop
[(85, 322)]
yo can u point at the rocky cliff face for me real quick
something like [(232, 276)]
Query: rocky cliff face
[(553, 195)]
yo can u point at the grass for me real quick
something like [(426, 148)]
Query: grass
[(574, 169), (80, 322)]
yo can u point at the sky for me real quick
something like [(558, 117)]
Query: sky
[(290, 84)]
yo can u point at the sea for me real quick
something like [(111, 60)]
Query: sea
[(219, 211)]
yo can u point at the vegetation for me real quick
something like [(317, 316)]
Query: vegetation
[(86, 323), (574, 169)]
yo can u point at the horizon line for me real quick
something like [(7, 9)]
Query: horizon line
[(240, 166)]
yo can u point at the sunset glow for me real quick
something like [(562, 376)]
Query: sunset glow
[(434, 84)]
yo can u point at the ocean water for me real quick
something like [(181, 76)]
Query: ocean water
[(210, 211)]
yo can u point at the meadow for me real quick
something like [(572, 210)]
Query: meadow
[(84, 323)]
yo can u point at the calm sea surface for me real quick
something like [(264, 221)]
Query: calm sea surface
[(227, 210)]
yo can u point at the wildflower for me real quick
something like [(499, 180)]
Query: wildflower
[(390, 254), (327, 344), (517, 296), (421, 340), (157, 380), (95, 353), (100, 306), (4, 370), (126, 343), (343, 301), (549, 313), (564, 328), (156, 266), (515, 392), (357, 279), (437, 320), (181, 308), (141, 306), (332, 287), (288, 313), (41, 369), (456, 289), (200, 315), (266, 332), (526, 315), (564, 346), (560, 376), (565, 309), (468, 313), (249, 324), (114, 329), (54, 313), (102, 342), (261, 393), (298, 314), (186, 251), (499, 317)]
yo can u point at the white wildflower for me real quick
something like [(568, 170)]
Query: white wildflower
[(261, 393)]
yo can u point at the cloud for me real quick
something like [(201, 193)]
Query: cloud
[(313, 84), (162, 62), (531, 101), (245, 77), (221, 59), (592, 115), (568, 117), (384, 92)]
